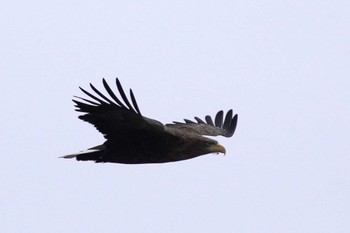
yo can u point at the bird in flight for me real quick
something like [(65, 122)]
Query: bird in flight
[(132, 138)]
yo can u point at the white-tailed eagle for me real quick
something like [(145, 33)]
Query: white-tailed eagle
[(132, 138)]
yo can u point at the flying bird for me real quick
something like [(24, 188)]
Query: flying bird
[(132, 138)]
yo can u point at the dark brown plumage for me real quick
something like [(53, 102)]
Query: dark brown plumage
[(134, 139)]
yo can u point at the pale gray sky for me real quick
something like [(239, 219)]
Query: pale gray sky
[(283, 66)]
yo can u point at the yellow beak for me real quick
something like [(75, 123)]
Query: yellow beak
[(221, 149)]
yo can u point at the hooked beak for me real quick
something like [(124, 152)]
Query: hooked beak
[(221, 149)]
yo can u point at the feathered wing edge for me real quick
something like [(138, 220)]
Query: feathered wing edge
[(100, 103), (91, 106), (220, 126)]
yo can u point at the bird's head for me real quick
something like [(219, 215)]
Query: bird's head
[(215, 147)]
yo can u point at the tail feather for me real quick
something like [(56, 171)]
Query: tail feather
[(94, 154)]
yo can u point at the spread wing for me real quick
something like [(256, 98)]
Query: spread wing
[(209, 127), (112, 116), (115, 117)]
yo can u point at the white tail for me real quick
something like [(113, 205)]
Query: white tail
[(88, 151)]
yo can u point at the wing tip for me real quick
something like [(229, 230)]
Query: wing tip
[(100, 99)]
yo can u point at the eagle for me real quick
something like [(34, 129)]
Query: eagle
[(132, 138)]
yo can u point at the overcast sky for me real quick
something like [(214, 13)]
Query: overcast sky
[(283, 66)]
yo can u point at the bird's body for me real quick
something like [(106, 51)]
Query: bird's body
[(135, 139)]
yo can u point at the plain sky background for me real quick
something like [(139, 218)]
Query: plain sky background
[(283, 66)]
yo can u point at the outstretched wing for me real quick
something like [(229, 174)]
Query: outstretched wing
[(112, 116), (209, 127)]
